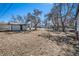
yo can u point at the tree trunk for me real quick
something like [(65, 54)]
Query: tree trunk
[(63, 27), (57, 23), (62, 23), (76, 18), (35, 26)]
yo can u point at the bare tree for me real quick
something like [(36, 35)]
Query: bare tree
[(14, 18), (53, 16), (59, 14), (19, 20), (36, 14), (29, 18), (49, 17), (76, 18), (66, 15)]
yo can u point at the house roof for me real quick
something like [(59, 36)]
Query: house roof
[(11, 24)]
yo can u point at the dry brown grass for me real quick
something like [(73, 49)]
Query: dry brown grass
[(31, 43)]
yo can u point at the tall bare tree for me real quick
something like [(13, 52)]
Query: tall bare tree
[(36, 13), (76, 18)]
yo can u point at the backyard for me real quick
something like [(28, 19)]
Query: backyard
[(40, 42), (39, 29)]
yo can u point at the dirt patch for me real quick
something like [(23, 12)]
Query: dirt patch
[(33, 43)]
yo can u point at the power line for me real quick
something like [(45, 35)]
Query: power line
[(6, 10)]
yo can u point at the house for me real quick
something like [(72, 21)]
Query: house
[(12, 27)]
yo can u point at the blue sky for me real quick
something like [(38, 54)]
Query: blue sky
[(8, 9)]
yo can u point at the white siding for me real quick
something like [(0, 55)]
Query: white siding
[(15, 27), (3, 27), (11, 27)]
